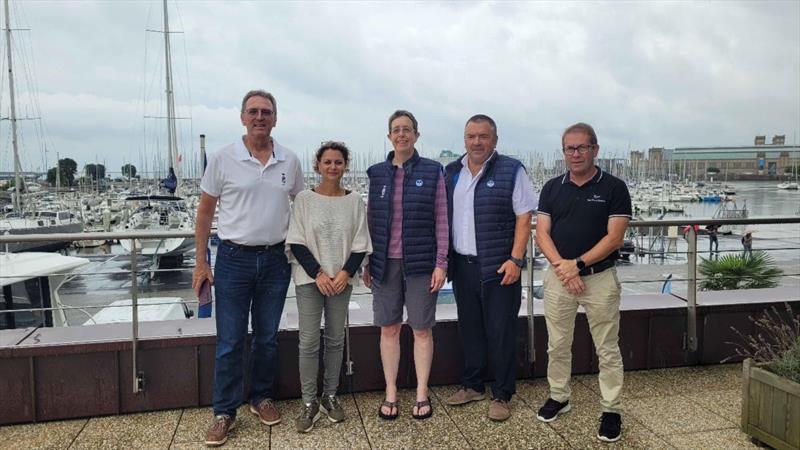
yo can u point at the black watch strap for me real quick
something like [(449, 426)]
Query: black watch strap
[(519, 262), (580, 263)]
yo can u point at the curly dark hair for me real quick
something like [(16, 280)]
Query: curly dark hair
[(332, 145)]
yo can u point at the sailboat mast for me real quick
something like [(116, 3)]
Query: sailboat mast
[(172, 140), (17, 166)]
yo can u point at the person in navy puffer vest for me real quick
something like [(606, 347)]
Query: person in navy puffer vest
[(490, 200), (407, 215)]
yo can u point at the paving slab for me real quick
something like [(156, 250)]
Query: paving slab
[(721, 377), (727, 404), (636, 384), (718, 439), (146, 430), (536, 392), (249, 432), (349, 434), (48, 435), (674, 414), (439, 431), (521, 430), (580, 425)]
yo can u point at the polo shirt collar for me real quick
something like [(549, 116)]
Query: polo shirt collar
[(243, 154), (595, 179)]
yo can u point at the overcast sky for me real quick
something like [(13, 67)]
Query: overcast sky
[(643, 73)]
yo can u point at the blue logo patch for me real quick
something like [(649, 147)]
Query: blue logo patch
[(490, 183), (419, 183)]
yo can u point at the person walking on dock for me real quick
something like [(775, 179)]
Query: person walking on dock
[(747, 243), (252, 180), (580, 226), (407, 214), (327, 242), (490, 199)]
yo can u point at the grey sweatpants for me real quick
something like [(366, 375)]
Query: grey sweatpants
[(310, 305)]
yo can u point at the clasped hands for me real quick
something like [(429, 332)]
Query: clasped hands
[(568, 273), (330, 286)]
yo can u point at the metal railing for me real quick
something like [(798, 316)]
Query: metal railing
[(139, 378)]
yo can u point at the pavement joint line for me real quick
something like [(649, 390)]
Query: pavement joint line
[(75, 438), (447, 413), (360, 418), (177, 425)]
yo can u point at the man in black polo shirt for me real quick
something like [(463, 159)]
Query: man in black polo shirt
[(581, 224)]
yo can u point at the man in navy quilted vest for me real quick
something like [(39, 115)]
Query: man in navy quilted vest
[(490, 201)]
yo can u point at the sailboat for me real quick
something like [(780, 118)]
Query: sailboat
[(19, 221), (163, 212)]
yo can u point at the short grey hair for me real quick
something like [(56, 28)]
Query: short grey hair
[(580, 127), (477, 118), (260, 93)]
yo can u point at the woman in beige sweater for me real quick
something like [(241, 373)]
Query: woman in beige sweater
[(327, 242)]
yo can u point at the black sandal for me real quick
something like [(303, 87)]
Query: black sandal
[(390, 405), (421, 405)]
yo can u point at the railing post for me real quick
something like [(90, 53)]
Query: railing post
[(138, 379), (691, 294), (531, 343)]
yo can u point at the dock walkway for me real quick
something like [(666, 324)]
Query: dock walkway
[(685, 408)]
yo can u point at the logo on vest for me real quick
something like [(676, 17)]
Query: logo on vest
[(383, 191), (419, 183), (490, 183)]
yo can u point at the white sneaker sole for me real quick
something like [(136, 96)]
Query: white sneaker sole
[(313, 421), (563, 410), (255, 413), (605, 439)]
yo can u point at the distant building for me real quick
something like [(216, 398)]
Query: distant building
[(446, 157), (760, 160)]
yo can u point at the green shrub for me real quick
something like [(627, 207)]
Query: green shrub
[(789, 364), (736, 271)]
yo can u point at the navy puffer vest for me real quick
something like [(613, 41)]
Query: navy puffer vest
[(494, 211), (419, 215)]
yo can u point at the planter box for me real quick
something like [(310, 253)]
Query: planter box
[(770, 407)]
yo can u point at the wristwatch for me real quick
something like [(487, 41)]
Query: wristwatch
[(580, 263), (519, 262)]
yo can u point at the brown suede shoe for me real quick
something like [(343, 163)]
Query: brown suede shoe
[(266, 412), (464, 396), (217, 433), (499, 410)]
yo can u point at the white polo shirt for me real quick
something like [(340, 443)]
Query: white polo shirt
[(253, 198), (523, 200)]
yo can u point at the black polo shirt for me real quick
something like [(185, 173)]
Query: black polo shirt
[(579, 214)]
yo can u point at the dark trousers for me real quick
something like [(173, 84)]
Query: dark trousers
[(487, 324), (250, 284)]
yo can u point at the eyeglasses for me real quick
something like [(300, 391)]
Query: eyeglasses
[(582, 149), (399, 130), (254, 112)]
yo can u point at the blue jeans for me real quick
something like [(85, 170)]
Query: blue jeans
[(247, 282)]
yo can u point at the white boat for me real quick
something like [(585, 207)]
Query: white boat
[(159, 213), (42, 222), (150, 309), (23, 275), (788, 185)]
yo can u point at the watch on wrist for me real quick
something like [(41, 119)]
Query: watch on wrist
[(580, 263), (518, 261)]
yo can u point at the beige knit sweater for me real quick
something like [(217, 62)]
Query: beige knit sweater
[(331, 228)]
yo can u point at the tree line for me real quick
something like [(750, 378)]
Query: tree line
[(67, 168)]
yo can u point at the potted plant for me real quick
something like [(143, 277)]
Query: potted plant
[(771, 379)]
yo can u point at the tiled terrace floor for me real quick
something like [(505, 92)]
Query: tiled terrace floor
[(685, 408)]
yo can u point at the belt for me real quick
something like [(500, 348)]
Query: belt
[(469, 259), (598, 267), (255, 248)]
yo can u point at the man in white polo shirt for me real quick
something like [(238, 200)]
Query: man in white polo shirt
[(253, 180)]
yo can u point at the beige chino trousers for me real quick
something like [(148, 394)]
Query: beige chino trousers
[(600, 300)]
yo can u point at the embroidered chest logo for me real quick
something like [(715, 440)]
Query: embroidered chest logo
[(490, 183), (596, 198), (283, 178), (418, 183), (383, 191)]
